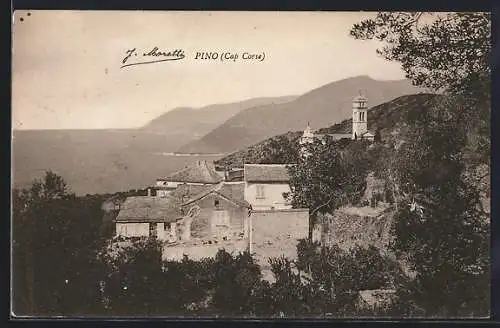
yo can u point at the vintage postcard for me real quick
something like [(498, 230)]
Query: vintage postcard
[(251, 165)]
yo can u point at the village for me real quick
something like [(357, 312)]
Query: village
[(203, 208), (353, 186)]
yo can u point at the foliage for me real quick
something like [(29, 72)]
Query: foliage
[(441, 227), (55, 239), (67, 268), (132, 281), (332, 175), (450, 260), (435, 50), (282, 149), (236, 282), (448, 52)]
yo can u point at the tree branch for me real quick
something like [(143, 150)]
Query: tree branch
[(321, 206)]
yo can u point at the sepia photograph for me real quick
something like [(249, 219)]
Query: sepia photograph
[(250, 165)]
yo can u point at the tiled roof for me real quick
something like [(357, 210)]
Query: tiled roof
[(266, 173), (199, 172), (186, 191), (149, 209), (234, 192)]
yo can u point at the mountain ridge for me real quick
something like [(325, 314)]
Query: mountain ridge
[(180, 119), (332, 101), (387, 117)]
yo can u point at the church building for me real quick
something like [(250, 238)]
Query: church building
[(360, 119), (359, 125)]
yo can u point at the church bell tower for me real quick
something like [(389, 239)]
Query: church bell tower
[(359, 117)]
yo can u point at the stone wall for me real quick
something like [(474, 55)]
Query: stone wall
[(132, 229), (348, 227), (276, 233), (197, 250), (375, 190)]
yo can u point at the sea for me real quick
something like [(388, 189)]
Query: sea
[(97, 162)]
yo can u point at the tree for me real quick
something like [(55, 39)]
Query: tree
[(440, 226), (445, 52), (377, 138), (436, 50), (237, 283), (27, 204), (134, 283), (55, 239), (280, 150), (333, 175), (288, 296)]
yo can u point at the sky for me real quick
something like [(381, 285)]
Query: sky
[(66, 64)]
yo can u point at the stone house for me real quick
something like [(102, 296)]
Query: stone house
[(201, 173), (223, 214), (189, 212), (142, 216), (265, 185)]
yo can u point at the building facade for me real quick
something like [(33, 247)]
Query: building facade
[(265, 185), (223, 215)]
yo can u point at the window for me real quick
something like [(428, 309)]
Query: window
[(152, 229), (260, 192), (216, 203)]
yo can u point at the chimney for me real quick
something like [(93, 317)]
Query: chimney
[(149, 192)]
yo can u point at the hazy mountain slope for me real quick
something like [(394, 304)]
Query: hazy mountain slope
[(320, 107), (387, 116), (196, 122)]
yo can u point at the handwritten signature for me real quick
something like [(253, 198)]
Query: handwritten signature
[(147, 57)]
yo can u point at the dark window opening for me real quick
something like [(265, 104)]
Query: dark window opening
[(152, 229)]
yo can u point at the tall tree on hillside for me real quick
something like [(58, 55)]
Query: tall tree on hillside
[(440, 225)]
